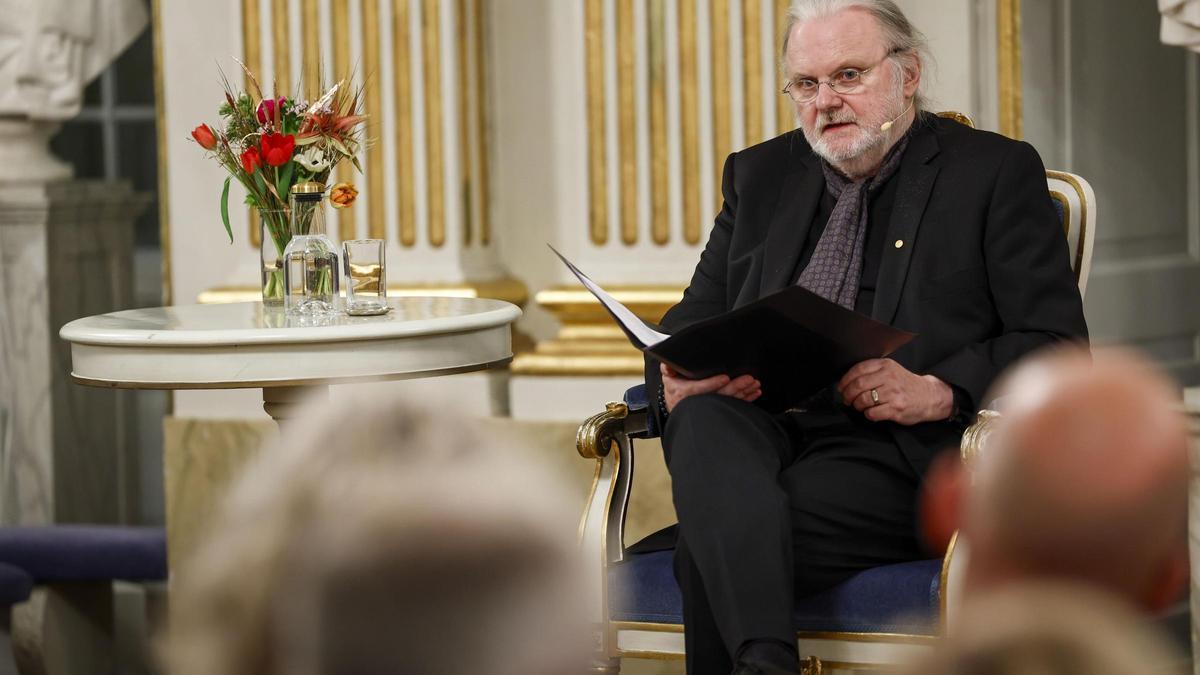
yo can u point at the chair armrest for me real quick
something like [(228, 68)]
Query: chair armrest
[(638, 401), (975, 438)]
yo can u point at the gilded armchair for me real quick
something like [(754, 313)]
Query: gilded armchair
[(878, 618)]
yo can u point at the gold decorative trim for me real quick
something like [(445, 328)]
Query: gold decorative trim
[(465, 105), (627, 122), (160, 135), (300, 382), (1073, 181), (1008, 27), (431, 43), (961, 118), (752, 70), (588, 343), (595, 436), (976, 435), (481, 120), (311, 29), (252, 57), (943, 579), (593, 45), (583, 519), (281, 57), (660, 214), (340, 23), (508, 290), (689, 82), (402, 94), (376, 220), (718, 23), (785, 111), (843, 636)]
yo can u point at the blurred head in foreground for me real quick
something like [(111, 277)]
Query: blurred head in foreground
[(382, 538), (1085, 478), (1049, 629)]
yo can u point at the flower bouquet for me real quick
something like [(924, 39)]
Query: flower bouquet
[(270, 144)]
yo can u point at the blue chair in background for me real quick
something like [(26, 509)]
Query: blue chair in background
[(878, 618), (15, 587), (67, 625)]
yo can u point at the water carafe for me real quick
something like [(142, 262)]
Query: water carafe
[(310, 268)]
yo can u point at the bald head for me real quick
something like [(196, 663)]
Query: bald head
[(1086, 477)]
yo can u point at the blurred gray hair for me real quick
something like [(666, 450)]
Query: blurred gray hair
[(379, 535), (910, 45)]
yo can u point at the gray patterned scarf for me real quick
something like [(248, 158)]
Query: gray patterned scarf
[(835, 268)]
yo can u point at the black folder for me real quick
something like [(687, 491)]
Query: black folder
[(793, 341)]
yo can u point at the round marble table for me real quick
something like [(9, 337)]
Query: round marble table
[(242, 345)]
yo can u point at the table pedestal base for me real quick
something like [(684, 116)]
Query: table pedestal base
[(282, 403)]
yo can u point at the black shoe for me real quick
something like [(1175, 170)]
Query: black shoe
[(766, 657)]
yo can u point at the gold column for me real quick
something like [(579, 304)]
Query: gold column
[(402, 67), (340, 15), (1008, 26), (752, 71), (282, 54), (660, 215), (311, 29), (481, 102), (626, 121), (689, 82), (464, 120), (593, 44), (371, 59), (722, 145), (785, 111), (431, 42), (252, 57)]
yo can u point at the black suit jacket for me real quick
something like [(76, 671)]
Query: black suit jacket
[(974, 261)]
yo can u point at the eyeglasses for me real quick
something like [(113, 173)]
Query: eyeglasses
[(844, 82)]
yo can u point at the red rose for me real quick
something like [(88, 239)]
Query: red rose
[(205, 137), (251, 160), (277, 148), (266, 109)]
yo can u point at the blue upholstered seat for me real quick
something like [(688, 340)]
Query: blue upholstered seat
[(86, 552), (15, 585), (900, 598)]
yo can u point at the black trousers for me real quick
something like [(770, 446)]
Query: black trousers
[(774, 507)]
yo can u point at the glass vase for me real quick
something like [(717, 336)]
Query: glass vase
[(274, 235)]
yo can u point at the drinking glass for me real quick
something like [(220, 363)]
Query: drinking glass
[(366, 280)]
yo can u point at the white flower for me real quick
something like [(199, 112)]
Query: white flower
[(313, 160)]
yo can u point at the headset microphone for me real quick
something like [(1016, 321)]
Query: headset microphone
[(888, 125)]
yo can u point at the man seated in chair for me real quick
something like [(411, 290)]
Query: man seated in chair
[(877, 205)]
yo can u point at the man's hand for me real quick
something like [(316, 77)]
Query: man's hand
[(676, 387), (903, 396)]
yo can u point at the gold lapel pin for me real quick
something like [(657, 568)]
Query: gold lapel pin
[(899, 243)]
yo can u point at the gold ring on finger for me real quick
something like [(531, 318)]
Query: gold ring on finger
[(874, 397)]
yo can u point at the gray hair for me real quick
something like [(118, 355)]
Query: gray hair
[(908, 44)]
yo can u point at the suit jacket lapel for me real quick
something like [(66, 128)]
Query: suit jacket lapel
[(916, 178), (799, 196)]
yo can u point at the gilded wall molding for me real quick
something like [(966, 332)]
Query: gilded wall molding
[(1008, 62), (588, 342), (507, 289), (416, 29), (724, 41)]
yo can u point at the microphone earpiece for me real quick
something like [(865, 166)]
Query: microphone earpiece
[(888, 125)]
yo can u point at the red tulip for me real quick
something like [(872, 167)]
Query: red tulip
[(266, 109), (277, 148), (205, 137), (251, 159)]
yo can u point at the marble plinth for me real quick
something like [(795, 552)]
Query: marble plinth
[(65, 252)]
